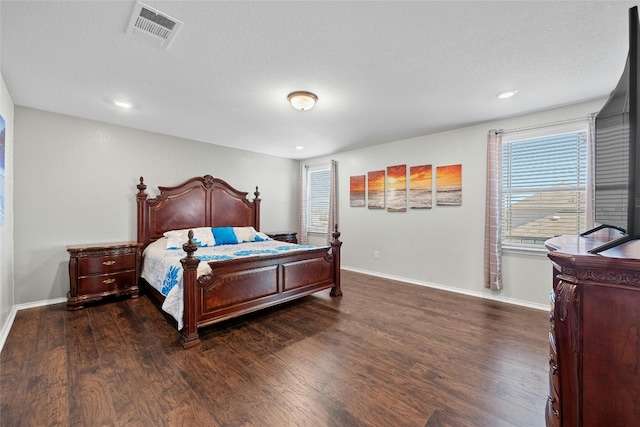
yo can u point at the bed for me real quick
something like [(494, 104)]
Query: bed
[(210, 287)]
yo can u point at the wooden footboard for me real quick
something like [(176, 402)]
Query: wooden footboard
[(237, 287)]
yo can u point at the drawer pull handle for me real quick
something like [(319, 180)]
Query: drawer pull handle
[(108, 262), (108, 281), (553, 366), (552, 401)]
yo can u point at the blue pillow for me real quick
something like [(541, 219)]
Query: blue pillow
[(224, 236)]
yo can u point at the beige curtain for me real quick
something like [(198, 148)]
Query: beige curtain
[(303, 238), (493, 213), (333, 201)]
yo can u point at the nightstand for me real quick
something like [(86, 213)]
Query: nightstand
[(283, 236), (97, 271)]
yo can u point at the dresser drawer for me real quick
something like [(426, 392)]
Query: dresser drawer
[(106, 282), (106, 264)]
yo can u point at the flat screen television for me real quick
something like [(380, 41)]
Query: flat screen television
[(617, 152)]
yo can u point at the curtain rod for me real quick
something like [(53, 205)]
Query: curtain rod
[(546, 125)]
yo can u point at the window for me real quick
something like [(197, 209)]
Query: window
[(318, 191), (544, 182)]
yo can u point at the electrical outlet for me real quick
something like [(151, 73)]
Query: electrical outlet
[(376, 254)]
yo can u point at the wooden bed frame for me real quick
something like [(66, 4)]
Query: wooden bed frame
[(234, 287)]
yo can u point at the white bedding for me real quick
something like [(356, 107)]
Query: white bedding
[(162, 268)]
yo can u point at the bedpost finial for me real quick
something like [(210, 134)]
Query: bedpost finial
[(141, 187), (336, 233), (190, 247), (256, 193)]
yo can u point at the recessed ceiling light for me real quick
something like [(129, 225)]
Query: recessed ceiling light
[(507, 94), (123, 104), (299, 147)]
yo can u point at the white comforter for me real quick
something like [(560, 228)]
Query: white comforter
[(162, 268)]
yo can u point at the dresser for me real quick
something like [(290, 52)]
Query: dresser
[(101, 270), (594, 334)]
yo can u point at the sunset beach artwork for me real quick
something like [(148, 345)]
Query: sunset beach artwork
[(397, 188), (356, 191), (375, 190), (449, 185), (420, 187)]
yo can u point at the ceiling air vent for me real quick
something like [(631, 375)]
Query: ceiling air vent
[(152, 26)]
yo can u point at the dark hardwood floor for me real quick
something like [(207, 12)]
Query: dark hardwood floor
[(385, 354)]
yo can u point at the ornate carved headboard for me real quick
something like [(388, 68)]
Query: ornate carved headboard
[(198, 202)]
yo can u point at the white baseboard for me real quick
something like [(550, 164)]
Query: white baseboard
[(7, 326), (14, 310), (452, 289)]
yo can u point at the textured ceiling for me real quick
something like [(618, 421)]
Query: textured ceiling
[(383, 71)]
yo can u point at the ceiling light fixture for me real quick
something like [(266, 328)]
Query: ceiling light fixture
[(302, 101), (507, 94)]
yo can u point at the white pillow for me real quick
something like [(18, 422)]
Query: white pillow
[(244, 234), (249, 234), (202, 236)]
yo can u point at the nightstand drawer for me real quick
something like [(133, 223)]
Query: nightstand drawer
[(283, 236), (106, 264), (106, 282)]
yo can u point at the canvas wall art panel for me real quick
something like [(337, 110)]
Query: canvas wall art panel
[(375, 190), (396, 191), (356, 191), (449, 185), (420, 187)]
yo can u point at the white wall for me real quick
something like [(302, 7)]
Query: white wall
[(75, 183), (6, 230), (441, 246)]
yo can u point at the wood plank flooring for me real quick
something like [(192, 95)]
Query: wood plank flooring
[(386, 354)]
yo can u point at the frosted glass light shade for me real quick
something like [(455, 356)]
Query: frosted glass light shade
[(302, 101)]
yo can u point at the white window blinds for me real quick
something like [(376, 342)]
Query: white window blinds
[(318, 193), (544, 185)]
